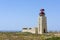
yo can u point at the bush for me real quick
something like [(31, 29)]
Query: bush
[(54, 38)]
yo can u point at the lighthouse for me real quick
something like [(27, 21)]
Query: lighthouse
[(42, 22)]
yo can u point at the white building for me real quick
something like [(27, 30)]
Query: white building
[(31, 30), (42, 24)]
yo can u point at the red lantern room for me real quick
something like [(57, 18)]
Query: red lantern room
[(42, 12)]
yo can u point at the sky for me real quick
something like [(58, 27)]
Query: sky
[(16, 14)]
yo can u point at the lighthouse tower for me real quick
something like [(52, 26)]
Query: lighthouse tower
[(42, 23)]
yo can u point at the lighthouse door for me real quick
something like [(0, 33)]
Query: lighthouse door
[(44, 30)]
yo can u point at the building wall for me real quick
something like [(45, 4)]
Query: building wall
[(29, 30), (42, 25)]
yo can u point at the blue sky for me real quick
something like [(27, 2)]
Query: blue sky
[(16, 14)]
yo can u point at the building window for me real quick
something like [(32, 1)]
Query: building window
[(30, 28), (24, 28)]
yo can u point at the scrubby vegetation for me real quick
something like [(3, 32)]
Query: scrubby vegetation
[(26, 36), (54, 38)]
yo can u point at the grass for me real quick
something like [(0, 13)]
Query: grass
[(25, 36)]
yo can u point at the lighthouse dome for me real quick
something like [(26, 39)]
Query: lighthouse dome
[(42, 12)]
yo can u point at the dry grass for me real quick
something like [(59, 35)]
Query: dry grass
[(23, 36)]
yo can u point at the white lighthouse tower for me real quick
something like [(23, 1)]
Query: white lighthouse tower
[(42, 23)]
